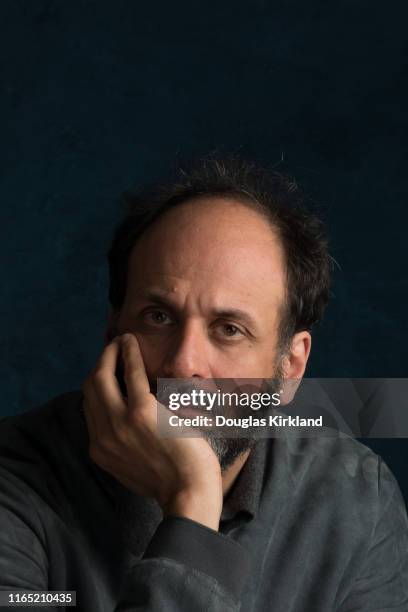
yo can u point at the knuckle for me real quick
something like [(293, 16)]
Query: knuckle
[(138, 418)]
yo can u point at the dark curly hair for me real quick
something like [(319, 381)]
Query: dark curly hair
[(274, 195)]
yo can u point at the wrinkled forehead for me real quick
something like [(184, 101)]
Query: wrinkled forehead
[(217, 247)]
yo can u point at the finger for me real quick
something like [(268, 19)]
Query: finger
[(105, 382), (95, 411), (95, 445), (90, 424), (137, 383)]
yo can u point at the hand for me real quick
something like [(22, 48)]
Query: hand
[(182, 474)]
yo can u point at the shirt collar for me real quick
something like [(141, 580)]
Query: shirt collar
[(244, 497)]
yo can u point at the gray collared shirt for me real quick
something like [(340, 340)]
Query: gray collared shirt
[(311, 524)]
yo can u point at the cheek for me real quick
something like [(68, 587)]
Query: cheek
[(153, 351), (152, 347), (249, 361)]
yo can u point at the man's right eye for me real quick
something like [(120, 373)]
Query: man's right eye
[(157, 317)]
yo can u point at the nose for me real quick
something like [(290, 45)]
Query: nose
[(188, 355)]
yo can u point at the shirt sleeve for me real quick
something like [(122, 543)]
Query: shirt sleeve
[(23, 559), (186, 566), (382, 584)]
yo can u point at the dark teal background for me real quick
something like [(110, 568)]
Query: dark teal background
[(97, 96)]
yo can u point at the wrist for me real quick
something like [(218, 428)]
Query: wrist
[(201, 506)]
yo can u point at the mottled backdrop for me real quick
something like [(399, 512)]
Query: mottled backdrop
[(98, 96)]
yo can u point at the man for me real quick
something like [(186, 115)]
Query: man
[(220, 273)]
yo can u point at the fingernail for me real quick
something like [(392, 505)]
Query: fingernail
[(126, 337)]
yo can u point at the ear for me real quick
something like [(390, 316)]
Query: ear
[(295, 360), (111, 326)]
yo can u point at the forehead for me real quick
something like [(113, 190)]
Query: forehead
[(212, 245)]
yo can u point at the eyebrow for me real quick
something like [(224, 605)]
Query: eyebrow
[(227, 313)]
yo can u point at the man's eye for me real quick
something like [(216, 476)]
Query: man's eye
[(230, 330), (157, 317)]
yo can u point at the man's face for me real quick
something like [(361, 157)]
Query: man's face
[(205, 289), (187, 274)]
